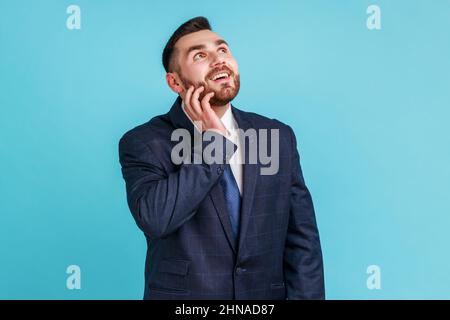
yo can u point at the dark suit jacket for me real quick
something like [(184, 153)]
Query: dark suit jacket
[(182, 212)]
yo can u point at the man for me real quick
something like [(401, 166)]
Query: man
[(221, 229)]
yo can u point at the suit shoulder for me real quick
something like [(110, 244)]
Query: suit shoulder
[(148, 131), (264, 122), (286, 133)]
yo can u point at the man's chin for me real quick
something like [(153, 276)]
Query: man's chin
[(219, 102), (223, 97), (223, 92)]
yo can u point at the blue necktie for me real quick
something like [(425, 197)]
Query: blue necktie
[(232, 198)]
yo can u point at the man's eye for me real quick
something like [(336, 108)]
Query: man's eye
[(199, 55), (223, 50)]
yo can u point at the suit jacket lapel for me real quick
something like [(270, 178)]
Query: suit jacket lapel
[(218, 198), (250, 175)]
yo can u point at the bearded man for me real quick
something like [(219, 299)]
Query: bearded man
[(219, 229)]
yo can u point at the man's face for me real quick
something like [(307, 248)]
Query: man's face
[(204, 59)]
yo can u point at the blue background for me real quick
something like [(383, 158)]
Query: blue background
[(370, 110)]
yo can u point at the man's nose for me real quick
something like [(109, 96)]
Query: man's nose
[(217, 59)]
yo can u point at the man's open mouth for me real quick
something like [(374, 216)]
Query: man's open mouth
[(220, 76)]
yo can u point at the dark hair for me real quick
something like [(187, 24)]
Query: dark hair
[(190, 26)]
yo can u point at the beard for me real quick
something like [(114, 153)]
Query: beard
[(223, 95)]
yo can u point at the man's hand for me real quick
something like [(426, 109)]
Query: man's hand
[(201, 111)]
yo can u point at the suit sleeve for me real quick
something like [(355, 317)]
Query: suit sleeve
[(303, 265), (162, 202)]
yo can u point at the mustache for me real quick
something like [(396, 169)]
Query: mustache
[(217, 70)]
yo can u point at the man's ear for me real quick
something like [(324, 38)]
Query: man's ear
[(174, 82)]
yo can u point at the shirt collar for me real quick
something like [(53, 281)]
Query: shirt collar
[(227, 118)]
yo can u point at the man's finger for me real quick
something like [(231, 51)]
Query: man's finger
[(194, 100), (188, 106), (187, 98), (205, 102), (190, 113)]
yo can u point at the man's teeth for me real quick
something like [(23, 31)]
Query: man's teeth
[(220, 75)]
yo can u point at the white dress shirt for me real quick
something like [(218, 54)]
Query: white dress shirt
[(236, 160)]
